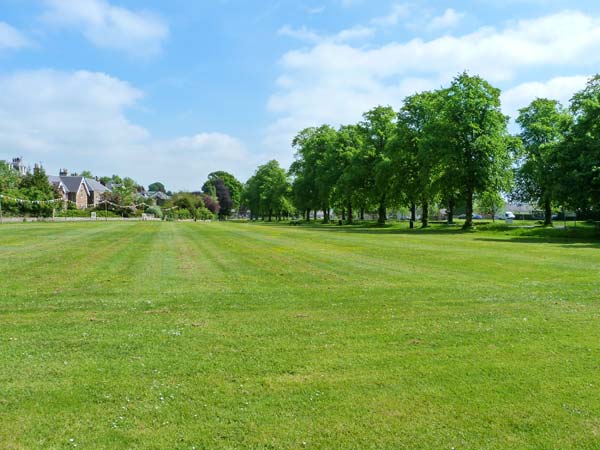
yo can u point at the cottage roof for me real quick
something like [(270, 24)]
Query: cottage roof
[(72, 184), (95, 186), (53, 179), (158, 194)]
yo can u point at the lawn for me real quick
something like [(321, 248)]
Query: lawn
[(208, 336)]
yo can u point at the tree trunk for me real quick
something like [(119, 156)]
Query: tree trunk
[(469, 211), (270, 215), (547, 212), (343, 214), (350, 214), (450, 212), (424, 214), (325, 215), (413, 212), (307, 215), (381, 212), (362, 213), (315, 215)]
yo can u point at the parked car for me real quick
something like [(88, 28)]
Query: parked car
[(506, 215)]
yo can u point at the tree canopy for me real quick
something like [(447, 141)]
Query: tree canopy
[(543, 125), (267, 192)]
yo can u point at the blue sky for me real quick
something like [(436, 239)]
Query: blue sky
[(172, 90)]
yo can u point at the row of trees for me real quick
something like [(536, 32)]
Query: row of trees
[(450, 147), (445, 146), (560, 159), (220, 197), (33, 187), (33, 194)]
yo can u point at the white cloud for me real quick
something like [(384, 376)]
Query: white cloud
[(302, 33), (315, 10), (11, 38), (107, 26), (559, 88), (78, 120), (449, 19), (560, 39), (44, 111), (334, 82), (311, 36), (398, 11), (349, 3), (354, 33)]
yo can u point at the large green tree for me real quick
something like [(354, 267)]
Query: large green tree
[(414, 152), (543, 126), (378, 127), (315, 167), (9, 179), (579, 156), (36, 187), (157, 186), (478, 147), (350, 189), (234, 186), (9, 186), (267, 192)]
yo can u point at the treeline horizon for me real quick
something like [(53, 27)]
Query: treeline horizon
[(447, 147)]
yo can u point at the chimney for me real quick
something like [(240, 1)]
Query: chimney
[(63, 172)]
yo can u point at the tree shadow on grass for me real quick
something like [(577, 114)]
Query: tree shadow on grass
[(566, 242), (371, 228), (582, 237)]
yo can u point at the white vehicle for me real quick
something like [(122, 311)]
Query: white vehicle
[(508, 215)]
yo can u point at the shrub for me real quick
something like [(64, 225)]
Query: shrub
[(156, 210), (183, 214)]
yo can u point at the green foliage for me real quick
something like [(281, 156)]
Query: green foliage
[(378, 128), (477, 151), (451, 147), (543, 126), (316, 168), (35, 187), (187, 206), (157, 187), (490, 203), (415, 166), (156, 210), (9, 179), (268, 191), (352, 186), (234, 186), (124, 191), (579, 156)]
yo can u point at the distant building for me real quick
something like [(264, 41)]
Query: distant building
[(84, 192), (17, 165), (158, 196)]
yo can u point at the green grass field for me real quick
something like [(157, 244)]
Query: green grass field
[(188, 335)]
